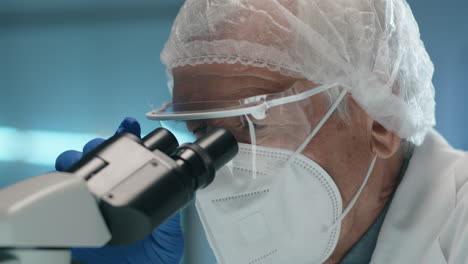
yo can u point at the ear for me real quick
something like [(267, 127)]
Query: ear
[(384, 142)]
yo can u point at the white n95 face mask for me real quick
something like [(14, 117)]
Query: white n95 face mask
[(270, 204), (283, 216), (290, 213)]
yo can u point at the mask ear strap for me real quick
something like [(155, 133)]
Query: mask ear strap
[(253, 143), (320, 124), (356, 196)]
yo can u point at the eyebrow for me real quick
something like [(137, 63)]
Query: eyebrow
[(245, 73), (238, 93)]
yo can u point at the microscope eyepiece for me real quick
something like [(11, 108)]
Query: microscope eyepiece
[(141, 183), (162, 140), (207, 155), (220, 145)]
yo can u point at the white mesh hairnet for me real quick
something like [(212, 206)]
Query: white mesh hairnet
[(371, 47)]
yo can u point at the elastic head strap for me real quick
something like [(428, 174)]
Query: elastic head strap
[(253, 143), (356, 195), (320, 124)]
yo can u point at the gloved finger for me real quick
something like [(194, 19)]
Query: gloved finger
[(172, 225), (130, 125), (92, 145), (67, 159), (169, 240)]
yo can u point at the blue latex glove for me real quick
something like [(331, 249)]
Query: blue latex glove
[(164, 245)]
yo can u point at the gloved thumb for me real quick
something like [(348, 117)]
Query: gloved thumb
[(130, 125)]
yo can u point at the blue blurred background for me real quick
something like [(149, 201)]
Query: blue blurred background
[(72, 70)]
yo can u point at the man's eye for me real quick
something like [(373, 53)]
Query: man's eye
[(200, 129), (259, 126), (256, 124)]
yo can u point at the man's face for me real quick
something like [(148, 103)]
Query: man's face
[(341, 147), (285, 126)]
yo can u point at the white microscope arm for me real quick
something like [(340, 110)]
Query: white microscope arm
[(42, 217)]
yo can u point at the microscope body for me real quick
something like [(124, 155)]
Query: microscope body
[(40, 218), (116, 195)]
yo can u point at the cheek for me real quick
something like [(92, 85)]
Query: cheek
[(341, 150), (334, 144)]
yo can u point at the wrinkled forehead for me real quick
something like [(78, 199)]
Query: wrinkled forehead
[(221, 82)]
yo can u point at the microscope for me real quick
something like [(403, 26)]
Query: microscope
[(115, 195)]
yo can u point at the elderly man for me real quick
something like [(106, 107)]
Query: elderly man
[(333, 106)]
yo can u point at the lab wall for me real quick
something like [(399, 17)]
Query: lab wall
[(72, 71), (444, 30)]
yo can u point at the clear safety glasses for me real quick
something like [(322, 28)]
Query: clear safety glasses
[(287, 121), (281, 120), (255, 106)]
